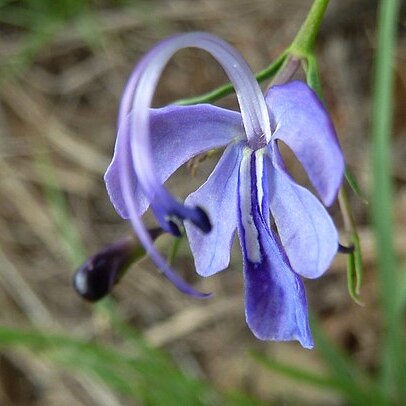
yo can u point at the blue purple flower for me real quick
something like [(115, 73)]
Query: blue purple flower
[(285, 232)]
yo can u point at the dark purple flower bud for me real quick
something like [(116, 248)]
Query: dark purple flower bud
[(98, 275)]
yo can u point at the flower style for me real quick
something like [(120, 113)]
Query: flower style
[(284, 230)]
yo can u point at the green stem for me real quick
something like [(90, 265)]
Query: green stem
[(382, 201), (303, 43)]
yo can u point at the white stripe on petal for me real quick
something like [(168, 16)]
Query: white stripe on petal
[(259, 167), (250, 231)]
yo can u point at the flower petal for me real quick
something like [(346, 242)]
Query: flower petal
[(299, 119), (177, 134), (145, 237), (306, 230), (218, 196), (276, 307)]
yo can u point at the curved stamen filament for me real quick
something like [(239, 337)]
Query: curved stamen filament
[(138, 97)]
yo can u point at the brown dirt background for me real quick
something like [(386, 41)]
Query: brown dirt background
[(65, 105)]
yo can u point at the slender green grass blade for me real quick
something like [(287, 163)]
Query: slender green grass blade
[(393, 373), (401, 294)]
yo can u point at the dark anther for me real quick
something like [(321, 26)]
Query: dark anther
[(174, 222), (346, 250), (201, 220), (173, 228)]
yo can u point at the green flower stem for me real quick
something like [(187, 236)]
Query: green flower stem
[(304, 41)]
